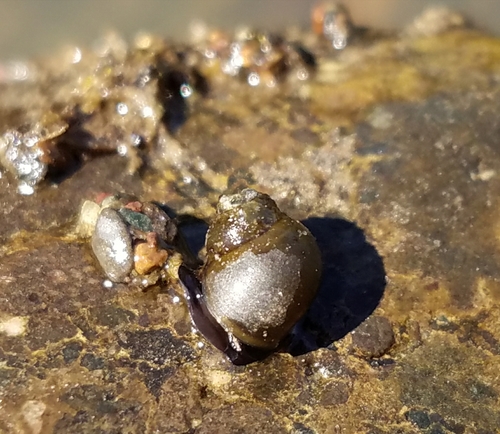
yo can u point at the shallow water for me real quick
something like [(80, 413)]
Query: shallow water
[(30, 27)]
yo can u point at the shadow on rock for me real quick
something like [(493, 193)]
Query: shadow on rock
[(194, 231), (352, 285)]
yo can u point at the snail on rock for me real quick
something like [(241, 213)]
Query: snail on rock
[(260, 276), (261, 272)]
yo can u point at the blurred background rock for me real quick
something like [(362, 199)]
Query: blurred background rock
[(34, 27)]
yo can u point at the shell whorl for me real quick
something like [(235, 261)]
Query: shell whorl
[(240, 218)]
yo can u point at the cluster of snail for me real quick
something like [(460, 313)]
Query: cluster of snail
[(260, 275)]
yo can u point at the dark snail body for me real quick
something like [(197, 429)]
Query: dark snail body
[(260, 276)]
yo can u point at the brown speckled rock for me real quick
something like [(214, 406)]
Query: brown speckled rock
[(389, 154), (374, 337), (241, 418)]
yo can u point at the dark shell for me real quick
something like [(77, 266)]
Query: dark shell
[(258, 283)]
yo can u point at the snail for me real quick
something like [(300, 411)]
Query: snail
[(261, 273)]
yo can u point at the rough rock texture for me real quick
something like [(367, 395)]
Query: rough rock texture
[(390, 155)]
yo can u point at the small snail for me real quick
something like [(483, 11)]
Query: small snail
[(261, 274)]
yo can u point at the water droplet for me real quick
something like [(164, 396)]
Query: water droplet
[(25, 189), (76, 55), (107, 284), (186, 90), (147, 112), (302, 74), (122, 150), (121, 108), (253, 79)]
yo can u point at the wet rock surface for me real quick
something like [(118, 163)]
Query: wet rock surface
[(389, 154)]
